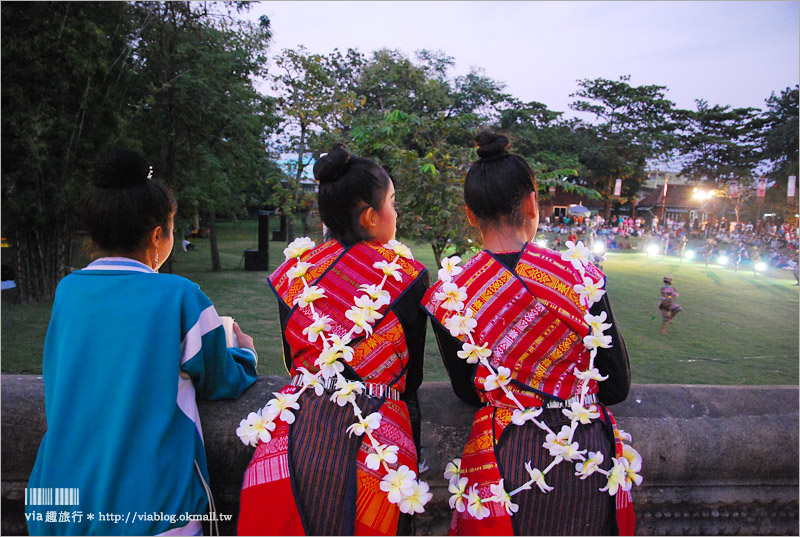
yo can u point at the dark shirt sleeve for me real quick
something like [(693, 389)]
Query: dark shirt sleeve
[(415, 326), (612, 361), (460, 372), (284, 312)]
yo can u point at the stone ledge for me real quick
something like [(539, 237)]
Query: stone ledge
[(717, 459)]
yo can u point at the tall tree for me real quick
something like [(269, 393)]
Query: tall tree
[(66, 72), (632, 124), (195, 65), (779, 140), (312, 102)]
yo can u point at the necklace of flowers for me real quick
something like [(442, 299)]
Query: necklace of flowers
[(625, 470), (401, 484)]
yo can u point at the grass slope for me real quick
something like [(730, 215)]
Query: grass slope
[(736, 328)]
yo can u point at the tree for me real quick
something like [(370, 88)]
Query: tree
[(66, 68), (633, 124), (311, 103), (779, 140), (195, 69)]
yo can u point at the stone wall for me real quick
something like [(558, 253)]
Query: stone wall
[(718, 460)]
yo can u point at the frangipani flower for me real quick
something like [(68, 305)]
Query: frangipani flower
[(347, 391), (475, 505), (255, 428), (593, 341), (362, 319), (382, 453), (340, 345), (458, 489), (590, 465), (597, 322), (398, 483), (309, 295), (376, 293), (298, 247), (501, 378), (557, 443), (283, 404), (633, 466), (590, 374), (461, 325), (366, 303), (312, 381), (365, 425), (452, 295), (577, 254), (415, 502), (590, 292), (537, 477), (450, 268), (390, 269), (399, 248), (616, 477), (320, 324), (625, 436), (473, 353), (299, 270), (452, 470), (519, 417), (329, 364), (571, 452), (578, 412), (503, 498)]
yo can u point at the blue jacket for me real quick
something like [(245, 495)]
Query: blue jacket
[(127, 351)]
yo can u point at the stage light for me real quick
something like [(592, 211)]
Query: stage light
[(599, 247), (761, 266), (653, 249), (688, 254), (722, 260)]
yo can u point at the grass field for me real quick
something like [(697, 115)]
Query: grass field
[(735, 328)]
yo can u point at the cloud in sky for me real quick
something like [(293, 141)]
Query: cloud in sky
[(731, 53)]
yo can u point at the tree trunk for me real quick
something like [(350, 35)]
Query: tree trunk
[(290, 231), (216, 264), (43, 257)]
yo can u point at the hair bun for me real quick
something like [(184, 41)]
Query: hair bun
[(330, 167), (122, 168), (492, 144)]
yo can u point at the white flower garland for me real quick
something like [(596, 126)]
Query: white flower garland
[(625, 470), (400, 484)]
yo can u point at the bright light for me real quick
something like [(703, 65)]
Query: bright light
[(653, 249), (542, 243), (702, 194), (722, 260), (761, 266), (599, 247), (689, 254)]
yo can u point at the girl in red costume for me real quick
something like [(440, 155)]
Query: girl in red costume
[(335, 449), (529, 334)]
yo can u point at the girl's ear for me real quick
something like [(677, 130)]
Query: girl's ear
[(368, 218), (530, 207), (473, 220), (156, 235)]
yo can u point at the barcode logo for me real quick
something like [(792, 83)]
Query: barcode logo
[(52, 496)]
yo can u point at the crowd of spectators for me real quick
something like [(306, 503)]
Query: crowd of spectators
[(742, 242)]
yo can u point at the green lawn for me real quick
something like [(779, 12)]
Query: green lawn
[(736, 328)]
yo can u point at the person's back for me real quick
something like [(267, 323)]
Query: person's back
[(127, 350)]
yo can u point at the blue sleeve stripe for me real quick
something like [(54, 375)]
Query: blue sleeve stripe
[(193, 342)]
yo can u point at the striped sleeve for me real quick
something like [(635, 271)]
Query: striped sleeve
[(217, 372)]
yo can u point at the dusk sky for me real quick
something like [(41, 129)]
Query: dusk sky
[(728, 53)]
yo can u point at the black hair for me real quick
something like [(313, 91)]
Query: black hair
[(124, 205), (347, 186), (498, 181)]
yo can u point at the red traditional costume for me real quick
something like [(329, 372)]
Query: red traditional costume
[(311, 477), (532, 320)]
